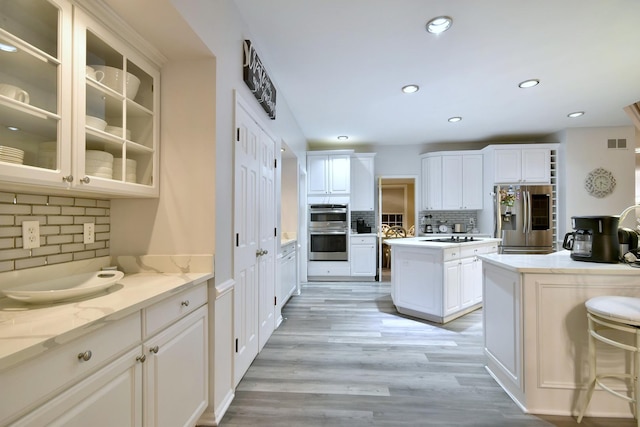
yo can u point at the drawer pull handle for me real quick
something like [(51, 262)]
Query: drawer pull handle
[(154, 349), (85, 180), (185, 303), (85, 356), (141, 359)]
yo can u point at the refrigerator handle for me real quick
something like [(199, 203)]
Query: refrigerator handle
[(525, 211), (497, 213)]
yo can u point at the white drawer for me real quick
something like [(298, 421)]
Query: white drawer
[(469, 251), (363, 240), (328, 268), (63, 365), (164, 313), (451, 254), (288, 249)]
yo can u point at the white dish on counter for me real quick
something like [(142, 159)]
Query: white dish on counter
[(64, 288)]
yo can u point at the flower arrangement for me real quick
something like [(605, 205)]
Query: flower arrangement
[(507, 199)]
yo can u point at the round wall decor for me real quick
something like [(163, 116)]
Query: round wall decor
[(600, 183)]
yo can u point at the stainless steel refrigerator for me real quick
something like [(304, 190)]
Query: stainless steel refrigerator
[(523, 217)]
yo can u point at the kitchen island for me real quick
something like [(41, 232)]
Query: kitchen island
[(438, 279), (535, 329)]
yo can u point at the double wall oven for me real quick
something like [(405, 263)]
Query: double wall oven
[(328, 232)]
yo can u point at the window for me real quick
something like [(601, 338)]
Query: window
[(392, 219)]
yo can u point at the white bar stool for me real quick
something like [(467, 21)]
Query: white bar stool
[(622, 314)]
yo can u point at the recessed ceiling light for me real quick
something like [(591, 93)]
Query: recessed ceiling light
[(8, 48), (13, 128), (410, 88), (454, 119), (439, 25), (529, 83), (343, 138), (575, 114)]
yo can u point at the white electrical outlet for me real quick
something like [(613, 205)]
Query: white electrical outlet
[(89, 232), (30, 234)]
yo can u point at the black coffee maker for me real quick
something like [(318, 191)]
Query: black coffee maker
[(594, 239)]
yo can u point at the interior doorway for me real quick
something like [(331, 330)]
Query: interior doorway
[(397, 210)]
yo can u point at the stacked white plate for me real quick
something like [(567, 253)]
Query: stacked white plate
[(11, 155), (131, 174), (98, 163), (48, 154)]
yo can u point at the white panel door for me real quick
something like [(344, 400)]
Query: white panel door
[(267, 233), (246, 210)]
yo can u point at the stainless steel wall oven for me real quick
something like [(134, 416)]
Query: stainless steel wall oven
[(328, 232)]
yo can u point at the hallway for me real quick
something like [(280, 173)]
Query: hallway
[(344, 357)]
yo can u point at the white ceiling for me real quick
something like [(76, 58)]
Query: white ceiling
[(340, 65)]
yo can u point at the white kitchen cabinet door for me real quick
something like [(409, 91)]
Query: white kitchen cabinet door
[(363, 259), (41, 66), (417, 280), (317, 174), (470, 281), (452, 182), (472, 173), (176, 386), (451, 289), (526, 165), (110, 397), (362, 182), (432, 183), (129, 111), (288, 277), (536, 165), (340, 174)]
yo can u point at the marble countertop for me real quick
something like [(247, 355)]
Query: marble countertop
[(284, 242), (424, 242), (556, 263), (27, 330)]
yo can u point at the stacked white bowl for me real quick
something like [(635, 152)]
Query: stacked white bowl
[(11, 155), (99, 163), (131, 174), (48, 154)]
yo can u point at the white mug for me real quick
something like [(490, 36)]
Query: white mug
[(96, 75), (14, 92)]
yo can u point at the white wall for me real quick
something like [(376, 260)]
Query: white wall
[(220, 26), (181, 220), (582, 150)]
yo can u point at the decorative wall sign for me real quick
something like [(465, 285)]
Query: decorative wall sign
[(600, 183), (255, 76)]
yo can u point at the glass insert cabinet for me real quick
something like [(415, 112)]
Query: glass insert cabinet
[(79, 107)]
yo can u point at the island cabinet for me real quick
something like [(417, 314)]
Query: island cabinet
[(329, 173), (437, 282), (535, 330), (79, 103), (148, 368)]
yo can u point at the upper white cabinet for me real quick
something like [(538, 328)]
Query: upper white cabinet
[(80, 103), (362, 182), (522, 165), (329, 173), (432, 183), (452, 181)]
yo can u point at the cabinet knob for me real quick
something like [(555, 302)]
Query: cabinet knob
[(85, 356), (85, 180), (141, 359), (68, 178), (185, 303), (154, 349)]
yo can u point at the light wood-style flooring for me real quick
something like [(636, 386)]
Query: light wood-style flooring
[(344, 357)]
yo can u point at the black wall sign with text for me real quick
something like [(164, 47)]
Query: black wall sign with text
[(255, 76)]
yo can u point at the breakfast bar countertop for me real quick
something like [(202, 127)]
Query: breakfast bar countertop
[(556, 262), (27, 330)]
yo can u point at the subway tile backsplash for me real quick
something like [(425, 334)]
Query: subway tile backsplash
[(61, 229)]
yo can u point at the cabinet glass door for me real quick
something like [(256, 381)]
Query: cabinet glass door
[(119, 121), (34, 116)]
